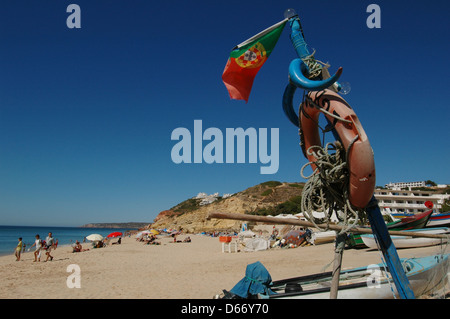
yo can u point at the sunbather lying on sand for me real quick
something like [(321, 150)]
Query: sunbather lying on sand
[(187, 240), (78, 248)]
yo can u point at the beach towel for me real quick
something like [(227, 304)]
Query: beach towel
[(255, 244), (257, 280)]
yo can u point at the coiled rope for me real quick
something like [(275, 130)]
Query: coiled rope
[(327, 188), (315, 66)]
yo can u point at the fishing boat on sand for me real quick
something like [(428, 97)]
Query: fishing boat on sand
[(412, 222), (411, 242), (439, 220), (425, 275), (436, 219)]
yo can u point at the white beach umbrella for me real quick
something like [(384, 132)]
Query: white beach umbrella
[(94, 237), (139, 234), (144, 232)]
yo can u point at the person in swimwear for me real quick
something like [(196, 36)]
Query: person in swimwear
[(78, 248), (37, 252), (19, 249), (50, 244)]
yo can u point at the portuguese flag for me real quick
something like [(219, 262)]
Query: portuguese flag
[(247, 58)]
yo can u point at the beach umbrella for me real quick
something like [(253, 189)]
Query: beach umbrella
[(144, 232), (114, 234), (154, 232), (94, 237), (139, 234)]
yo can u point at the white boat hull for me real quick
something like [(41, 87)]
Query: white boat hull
[(425, 275), (439, 220), (318, 238), (438, 223), (411, 242)]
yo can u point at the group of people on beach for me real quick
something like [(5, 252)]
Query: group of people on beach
[(148, 239), (40, 245), (77, 248)]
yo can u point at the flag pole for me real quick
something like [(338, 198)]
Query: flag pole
[(260, 34)]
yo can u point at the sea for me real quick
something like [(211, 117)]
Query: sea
[(66, 236)]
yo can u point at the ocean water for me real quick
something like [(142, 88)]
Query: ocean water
[(65, 235)]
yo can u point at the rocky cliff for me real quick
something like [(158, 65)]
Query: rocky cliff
[(130, 225), (263, 199)]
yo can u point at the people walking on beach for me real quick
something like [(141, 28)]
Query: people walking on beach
[(50, 243), (38, 245), (19, 249)]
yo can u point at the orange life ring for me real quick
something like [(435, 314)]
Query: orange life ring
[(360, 158)]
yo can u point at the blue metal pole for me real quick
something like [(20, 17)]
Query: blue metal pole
[(389, 251), (298, 70), (297, 39)]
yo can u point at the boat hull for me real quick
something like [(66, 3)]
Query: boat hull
[(424, 274), (412, 222), (406, 223), (411, 242), (318, 238), (439, 220)]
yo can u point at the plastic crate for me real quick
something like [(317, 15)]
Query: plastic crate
[(225, 239)]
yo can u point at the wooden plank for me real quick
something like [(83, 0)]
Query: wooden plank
[(337, 264), (297, 222)]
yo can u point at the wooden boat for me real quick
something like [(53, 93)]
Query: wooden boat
[(439, 220), (410, 242), (412, 222), (401, 215), (436, 219), (425, 275)]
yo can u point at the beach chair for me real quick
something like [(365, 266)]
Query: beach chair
[(227, 243)]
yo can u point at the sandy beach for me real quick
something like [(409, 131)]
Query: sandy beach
[(195, 270)]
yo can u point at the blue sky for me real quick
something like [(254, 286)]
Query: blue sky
[(86, 115)]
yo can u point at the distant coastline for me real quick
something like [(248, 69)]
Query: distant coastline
[(130, 225)]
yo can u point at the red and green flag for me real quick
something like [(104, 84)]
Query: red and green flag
[(247, 58)]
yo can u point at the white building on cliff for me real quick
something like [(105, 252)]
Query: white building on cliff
[(408, 201), (208, 199)]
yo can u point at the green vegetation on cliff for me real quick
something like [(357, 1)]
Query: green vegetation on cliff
[(129, 225), (291, 206)]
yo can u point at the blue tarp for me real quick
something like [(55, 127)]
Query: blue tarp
[(257, 280)]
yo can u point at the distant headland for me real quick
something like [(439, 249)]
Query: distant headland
[(130, 225)]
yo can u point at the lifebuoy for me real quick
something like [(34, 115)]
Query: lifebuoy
[(360, 158)]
